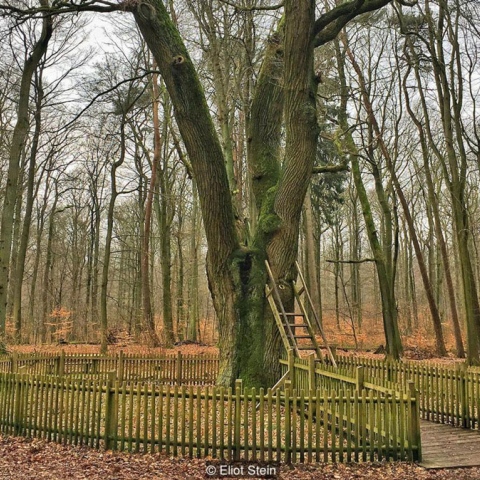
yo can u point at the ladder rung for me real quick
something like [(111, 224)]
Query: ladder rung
[(298, 325), (294, 314), (302, 336), (306, 347)]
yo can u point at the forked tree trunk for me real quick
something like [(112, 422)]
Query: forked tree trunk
[(249, 340)]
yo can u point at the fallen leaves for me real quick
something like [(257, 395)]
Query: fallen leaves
[(32, 459)]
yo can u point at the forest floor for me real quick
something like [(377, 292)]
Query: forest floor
[(32, 459)]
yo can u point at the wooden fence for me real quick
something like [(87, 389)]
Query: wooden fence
[(169, 369), (447, 395), (289, 426), (308, 374)]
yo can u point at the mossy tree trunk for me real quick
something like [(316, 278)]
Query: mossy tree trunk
[(286, 89)]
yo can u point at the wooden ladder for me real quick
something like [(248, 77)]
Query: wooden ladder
[(298, 336)]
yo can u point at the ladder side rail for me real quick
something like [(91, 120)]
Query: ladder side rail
[(309, 325), (288, 342), (276, 294), (317, 320)]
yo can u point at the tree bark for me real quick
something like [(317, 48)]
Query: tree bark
[(108, 240), (148, 315)]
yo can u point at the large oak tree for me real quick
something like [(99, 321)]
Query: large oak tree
[(284, 98)]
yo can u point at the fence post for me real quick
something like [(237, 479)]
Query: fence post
[(111, 411), (359, 378), (388, 370), (291, 367), (120, 366), (60, 364), (14, 362), (179, 368), (414, 427), (311, 372), (288, 426), (333, 349), (16, 415), (238, 418), (462, 393)]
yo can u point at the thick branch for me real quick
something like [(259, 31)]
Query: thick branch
[(196, 128), (265, 124), (329, 25), (253, 7), (301, 132), (361, 260), (331, 169), (62, 7)]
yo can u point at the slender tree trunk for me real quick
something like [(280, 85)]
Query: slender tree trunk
[(108, 240), (148, 315), (437, 323), (47, 279), (27, 219), (311, 263), (384, 270), (355, 253), (193, 297), (17, 146), (455, 187)]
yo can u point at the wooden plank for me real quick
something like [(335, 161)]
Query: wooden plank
[(444, 446)]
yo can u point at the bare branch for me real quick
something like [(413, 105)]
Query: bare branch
[(59, 7), (105, 92)]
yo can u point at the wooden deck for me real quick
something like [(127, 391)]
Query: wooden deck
[(444, 446)]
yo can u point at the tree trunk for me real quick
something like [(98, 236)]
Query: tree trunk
[(17, 146), (148, 315), (432, 200), (193, 301), (27, 219), (385, 271), (249, 340), (47, 291), (108, 240), (437, 323), (311, 263)]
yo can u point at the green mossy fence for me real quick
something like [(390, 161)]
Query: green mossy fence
[(177, 369), (251, 424), (447, 395)]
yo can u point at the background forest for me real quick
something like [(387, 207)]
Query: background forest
[(104, 224)]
